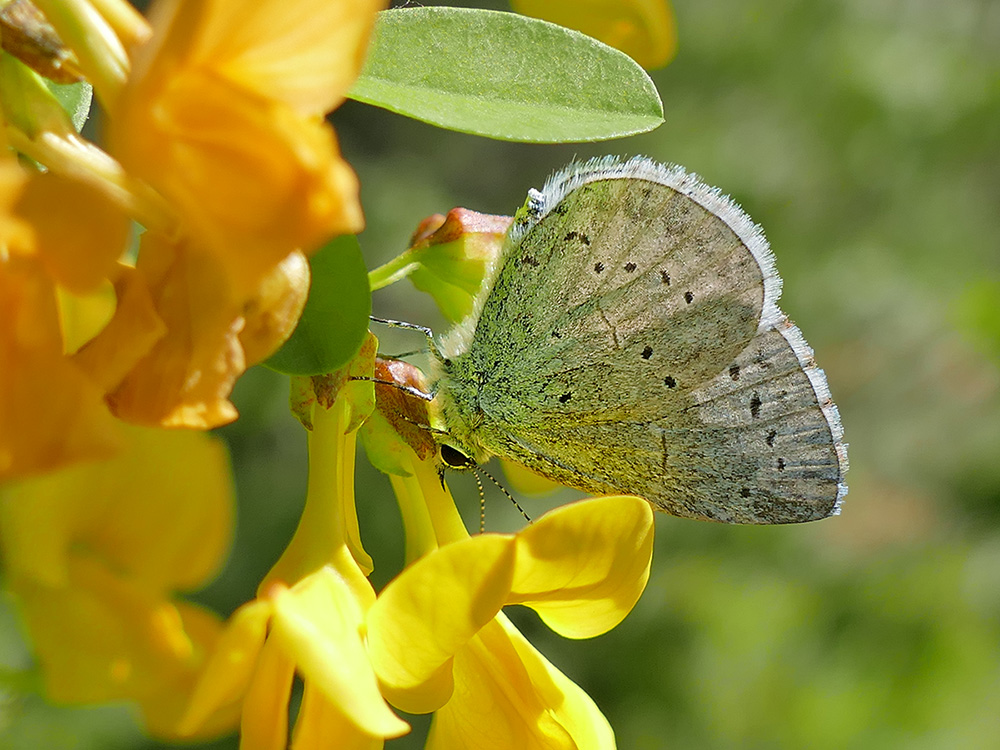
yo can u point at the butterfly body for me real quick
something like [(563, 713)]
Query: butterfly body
[(629, 341)]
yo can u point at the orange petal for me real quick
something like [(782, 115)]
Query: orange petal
[(79, 232), (128, 336), (186, 378), (305, 53), (209, 149), (51, 414), (273, 311)]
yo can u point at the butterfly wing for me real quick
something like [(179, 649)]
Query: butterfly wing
[(632, 343)]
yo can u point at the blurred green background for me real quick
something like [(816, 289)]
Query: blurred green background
[(865, 138)]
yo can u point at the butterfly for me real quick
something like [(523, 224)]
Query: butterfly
[(628, 341)]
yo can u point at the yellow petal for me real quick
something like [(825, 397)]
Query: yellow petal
[(186, 378), (134, 513), (51, 414), (430, 611), (265, 708), (321, 724), (83, 316), (101, 638), (643, 29), (319, 623), (225, 677), (583, 566), (306, 53), (531, 705), (170, 694)]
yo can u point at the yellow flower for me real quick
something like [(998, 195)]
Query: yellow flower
[(223, 116), (94, 555), (439, 642), (310, 611), (642, 29)]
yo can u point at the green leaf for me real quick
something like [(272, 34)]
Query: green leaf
[(75, 98), (505, 76), (335, 319)]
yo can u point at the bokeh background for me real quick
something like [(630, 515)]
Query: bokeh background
[(865, 138)]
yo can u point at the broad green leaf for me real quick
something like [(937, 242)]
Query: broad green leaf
[(505, 76), (75, 98), (335, 319)]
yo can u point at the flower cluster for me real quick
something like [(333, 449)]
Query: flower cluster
[(206, 106), (138, 281), (435, 639)]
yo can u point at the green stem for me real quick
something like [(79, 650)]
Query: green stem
[(389, 273)]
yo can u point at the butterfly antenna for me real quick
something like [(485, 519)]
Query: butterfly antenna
[(504, 491), (482, 502), (403, 324), (413, 391)]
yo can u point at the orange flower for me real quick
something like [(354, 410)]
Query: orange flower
[(222, 115), (50, 413)]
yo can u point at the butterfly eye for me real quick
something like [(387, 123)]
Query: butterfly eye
[(455, 459)]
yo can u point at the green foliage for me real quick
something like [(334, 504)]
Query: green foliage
[(505, 76), (335, 319)]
